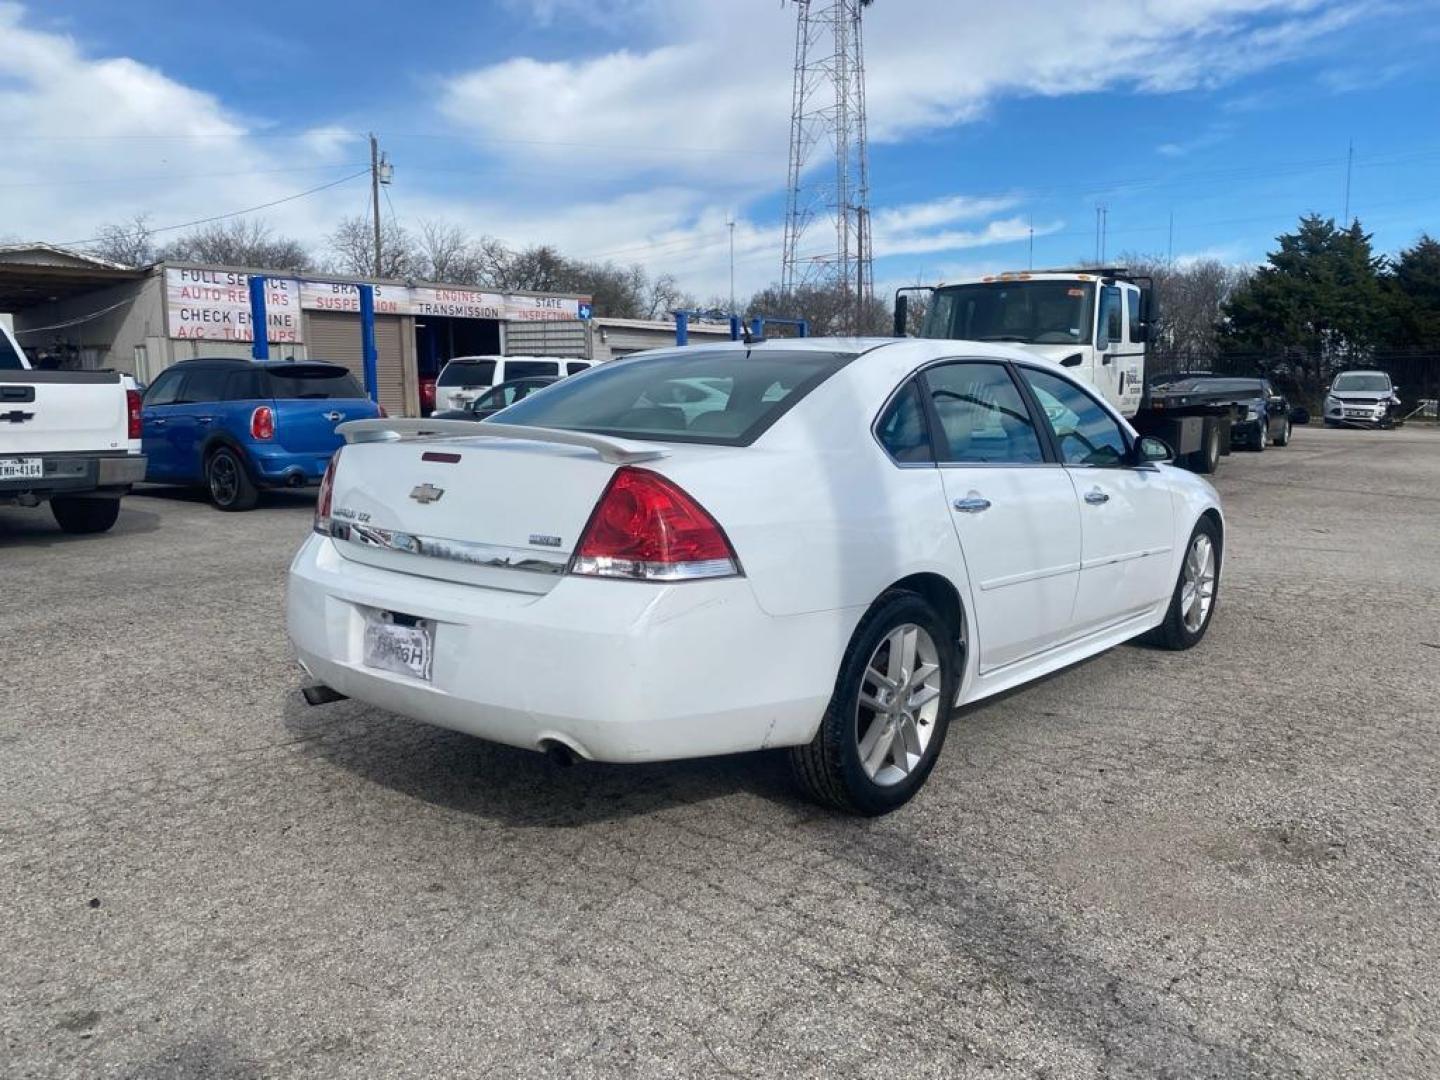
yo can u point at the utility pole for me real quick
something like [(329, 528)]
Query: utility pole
[(1349, 166), (1170, 242), (1104, 230), (1031, 266), (380, 173), (1097, 234), (731, 223)]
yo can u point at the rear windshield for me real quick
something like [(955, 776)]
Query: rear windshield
[(727, 398), (467, 373), (314, 382)]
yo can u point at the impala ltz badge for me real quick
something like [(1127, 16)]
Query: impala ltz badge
[(426, 493), (544, 540)]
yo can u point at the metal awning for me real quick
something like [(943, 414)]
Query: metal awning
[(25, 285)]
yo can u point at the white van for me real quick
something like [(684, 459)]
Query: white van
[(465, 378)]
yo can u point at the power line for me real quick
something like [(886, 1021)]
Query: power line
[(76, 322), (231, 214), (173, 176)]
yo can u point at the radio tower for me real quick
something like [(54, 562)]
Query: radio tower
[(828, 109)]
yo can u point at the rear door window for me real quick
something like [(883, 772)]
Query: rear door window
[(467, 373), (314, 382), (203, 385), (983, 419), (727, 398), (530, 369)]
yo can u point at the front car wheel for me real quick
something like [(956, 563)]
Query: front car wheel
[(1192, 604)]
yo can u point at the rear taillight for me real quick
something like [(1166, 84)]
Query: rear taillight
[(326, 496), (262, 423), (645, 527), (132, 412)]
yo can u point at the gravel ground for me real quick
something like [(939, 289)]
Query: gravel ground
[(1220, 863)]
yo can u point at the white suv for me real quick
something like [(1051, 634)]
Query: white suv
[(465, 378)]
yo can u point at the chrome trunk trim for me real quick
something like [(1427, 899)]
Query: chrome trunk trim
[(493, 556)]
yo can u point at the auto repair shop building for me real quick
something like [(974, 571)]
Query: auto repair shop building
[(75, 311)]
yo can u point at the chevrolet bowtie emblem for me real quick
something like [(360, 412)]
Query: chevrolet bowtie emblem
[(426, 493), (15, 416)]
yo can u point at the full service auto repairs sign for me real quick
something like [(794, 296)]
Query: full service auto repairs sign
[(214, 305)]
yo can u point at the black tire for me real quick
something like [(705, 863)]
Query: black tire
[(829, 769), (227, 481), (1175, 633), (1207, 459), (1262, 438), (1283, 439), (80, 514)]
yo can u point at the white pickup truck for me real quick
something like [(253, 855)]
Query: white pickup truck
[(71, 438)]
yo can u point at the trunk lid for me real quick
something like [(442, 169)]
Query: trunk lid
[(305, 426), (62, 411), (498, 513)]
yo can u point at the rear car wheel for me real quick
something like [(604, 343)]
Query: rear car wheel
[(885, 725), (1192, 604), (84, 514), (1207, 459), (229, 481)]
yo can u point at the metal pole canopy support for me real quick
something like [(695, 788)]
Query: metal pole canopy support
[(682, 328), (259, 324), (367, 342)]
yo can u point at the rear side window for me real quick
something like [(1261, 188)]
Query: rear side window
[(1132, 312), (468, 373), (902, 429), (530, 369), (575, 367), (983, 419), (9, 358), (243, 386), (727, 398), (205, 384), (317, 383)]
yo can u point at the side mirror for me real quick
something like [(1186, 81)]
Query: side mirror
[(1150, 450), (902, 309)]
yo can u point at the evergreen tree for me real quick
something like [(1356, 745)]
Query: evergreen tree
[(1413, 294)]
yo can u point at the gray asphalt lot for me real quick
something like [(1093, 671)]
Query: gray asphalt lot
[(1220, 863)]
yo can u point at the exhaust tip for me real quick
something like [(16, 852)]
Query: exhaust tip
[(320, 694), (559, 754)]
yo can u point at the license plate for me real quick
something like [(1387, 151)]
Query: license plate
[(25, 468), (1357, 412), (405, 650)]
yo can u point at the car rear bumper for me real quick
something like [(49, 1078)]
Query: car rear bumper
[(77, 474), (615, 670), (285, 469)]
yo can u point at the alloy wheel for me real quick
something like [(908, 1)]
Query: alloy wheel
[(898, 704), (1197, 589), (224, 480)]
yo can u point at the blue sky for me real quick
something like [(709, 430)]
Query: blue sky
[(634, 129)]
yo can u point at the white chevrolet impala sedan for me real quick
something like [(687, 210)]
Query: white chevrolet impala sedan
[(822, 545)]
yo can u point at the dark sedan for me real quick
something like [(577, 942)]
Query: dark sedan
[(500, 396), (1262, 414)]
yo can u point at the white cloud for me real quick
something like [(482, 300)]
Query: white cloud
[(645, 151)]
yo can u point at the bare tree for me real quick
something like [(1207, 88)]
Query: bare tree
[(239, 242), (352, 247), (1192, 298), (131, 243)]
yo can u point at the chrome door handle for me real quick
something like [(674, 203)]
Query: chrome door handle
[(971, 504), (1096, 497), (160, 422)]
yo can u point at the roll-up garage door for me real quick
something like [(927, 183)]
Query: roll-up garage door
[(335, 336)]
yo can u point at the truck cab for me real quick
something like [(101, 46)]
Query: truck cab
[(1094, 324)]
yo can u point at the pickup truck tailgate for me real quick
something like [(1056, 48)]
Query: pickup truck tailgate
[(57, 412)]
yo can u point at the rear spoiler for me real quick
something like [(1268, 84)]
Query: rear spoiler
[(615, 451)]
